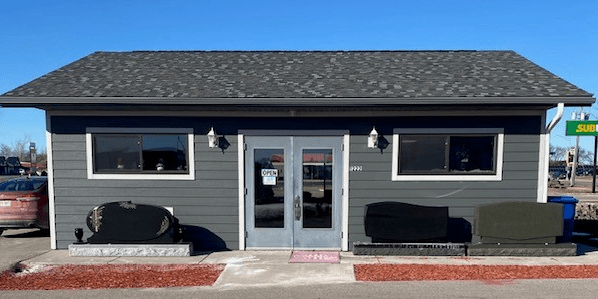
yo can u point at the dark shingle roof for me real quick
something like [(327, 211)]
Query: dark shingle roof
[(196, 75)]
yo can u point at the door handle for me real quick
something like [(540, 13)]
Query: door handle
[(297, 207)]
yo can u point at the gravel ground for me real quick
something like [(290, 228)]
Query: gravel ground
[(73, 277), (84, 277), (583, 186), (418, 272)]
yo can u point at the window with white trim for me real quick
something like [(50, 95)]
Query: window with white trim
[(447, 154), (142, 153)]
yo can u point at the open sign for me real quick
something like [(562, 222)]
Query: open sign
[(269, 177), (270, 172)]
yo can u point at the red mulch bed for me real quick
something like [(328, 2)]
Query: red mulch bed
[(112, 276), (405, 272)]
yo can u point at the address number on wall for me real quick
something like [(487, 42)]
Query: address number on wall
[(356, 168)]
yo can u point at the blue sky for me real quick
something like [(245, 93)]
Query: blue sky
[(41, 36)]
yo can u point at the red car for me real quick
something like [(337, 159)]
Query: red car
[(24, 203)]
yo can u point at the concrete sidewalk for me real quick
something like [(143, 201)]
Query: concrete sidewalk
[(272, 268)]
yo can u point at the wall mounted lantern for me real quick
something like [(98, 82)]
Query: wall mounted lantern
[(373, 139), (212, 138)]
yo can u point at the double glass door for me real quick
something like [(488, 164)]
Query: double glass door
[(293, 198)]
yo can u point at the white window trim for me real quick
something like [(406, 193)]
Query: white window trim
[(138, 176), (425, 177)]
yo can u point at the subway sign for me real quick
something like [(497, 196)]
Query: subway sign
[(581, 127)]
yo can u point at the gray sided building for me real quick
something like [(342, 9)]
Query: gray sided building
[(283, 149)]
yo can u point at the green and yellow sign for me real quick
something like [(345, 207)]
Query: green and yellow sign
[(582, 127)]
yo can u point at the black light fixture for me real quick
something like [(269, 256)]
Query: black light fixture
[(223, 143), (382, 143)]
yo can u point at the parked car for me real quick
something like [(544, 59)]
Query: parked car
[(24, 203)]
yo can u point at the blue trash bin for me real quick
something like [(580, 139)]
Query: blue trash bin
[(569, 203)]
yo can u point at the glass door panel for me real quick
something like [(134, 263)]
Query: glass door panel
[(293, 196), (317, 188), (269, 192), (269, 188), (317, 185)]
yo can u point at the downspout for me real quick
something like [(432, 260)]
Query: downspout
[(545, 155), (557, 117)]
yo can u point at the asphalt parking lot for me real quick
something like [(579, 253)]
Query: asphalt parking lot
[(21, 244)]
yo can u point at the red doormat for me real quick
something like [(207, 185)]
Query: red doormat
[(77, 277), (405, 272), (315, 257)]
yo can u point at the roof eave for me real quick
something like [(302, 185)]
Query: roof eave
[(36, 102)]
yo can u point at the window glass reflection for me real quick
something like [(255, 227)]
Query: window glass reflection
[(446, 154), (317, 188), (113, 153), (140, 153), (422, 154), (164, 152), (269, 188)]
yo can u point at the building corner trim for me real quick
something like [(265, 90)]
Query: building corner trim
[(50, 173)]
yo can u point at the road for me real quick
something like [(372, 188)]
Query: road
[(568, 288)]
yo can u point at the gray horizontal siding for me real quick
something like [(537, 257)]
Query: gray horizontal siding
[(140, 183), (146, 192), (454, 194), (210, 201), (377, 185), (367, 175), (179, 210), (173, 201), (374, 184), (211, 220), (507, 166)]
